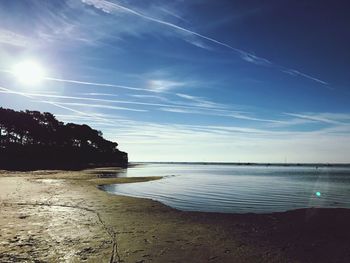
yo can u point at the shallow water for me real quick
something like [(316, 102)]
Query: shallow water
[(239, 189)]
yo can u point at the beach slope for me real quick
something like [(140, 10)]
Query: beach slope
[(62, 216)]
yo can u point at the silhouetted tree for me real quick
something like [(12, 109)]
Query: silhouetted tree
[(40, 137)]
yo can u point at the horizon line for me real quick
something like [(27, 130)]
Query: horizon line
[(246, 163)]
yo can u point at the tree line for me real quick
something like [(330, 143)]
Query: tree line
[(32, 139)]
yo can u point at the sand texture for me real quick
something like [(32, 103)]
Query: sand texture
[(62, 216)]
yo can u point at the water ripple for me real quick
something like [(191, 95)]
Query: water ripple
[(237, 189)]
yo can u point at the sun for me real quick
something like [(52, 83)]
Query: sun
[(29, 72)]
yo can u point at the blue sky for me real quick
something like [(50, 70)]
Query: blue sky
[(258, 81)]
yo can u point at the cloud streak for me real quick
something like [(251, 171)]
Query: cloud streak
[(101, 106), (174, 108), (95, 84), (182, 142), (330, 118), (160, 85), (154, 85), (201, 102), (111, 7), (13, 39), (9, 91), (228, 142), (294, 72)]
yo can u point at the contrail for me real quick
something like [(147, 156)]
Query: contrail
[(102, 4), (107, 6), (80, 82), (53, 103), (183, 108), (296, 72), (95, 84), (52, 96)]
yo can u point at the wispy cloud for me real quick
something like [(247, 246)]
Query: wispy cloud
[(186, 100), (100, 94), (52, 96), (155, 86), (183, 142), (330, 118), (101, 106), (195, 41), (201, 102), (145, 96), (152, 85), (184, 108), (228, 142), (172, 13), (179, 110), (255, 59), (95, 84), (65, 23), (111, 8), (58, 26), (161, 85), (124, 101), (14, 39), (9, 91), (294, 72)]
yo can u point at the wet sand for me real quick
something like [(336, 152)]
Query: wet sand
[(62, 216)]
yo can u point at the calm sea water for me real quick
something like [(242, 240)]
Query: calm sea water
[(239, 189)]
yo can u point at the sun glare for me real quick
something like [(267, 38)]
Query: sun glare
[(29, 72)]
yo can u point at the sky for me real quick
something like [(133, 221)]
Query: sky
[(194, 80)]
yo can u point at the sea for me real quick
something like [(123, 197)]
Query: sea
[(238, 188)]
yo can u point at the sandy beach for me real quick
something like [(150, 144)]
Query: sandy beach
[(62, 216)]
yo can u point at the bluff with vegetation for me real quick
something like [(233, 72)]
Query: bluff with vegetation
[(35, 140)]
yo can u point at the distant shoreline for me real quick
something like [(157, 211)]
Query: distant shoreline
[(78, 167), (251, 164)]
